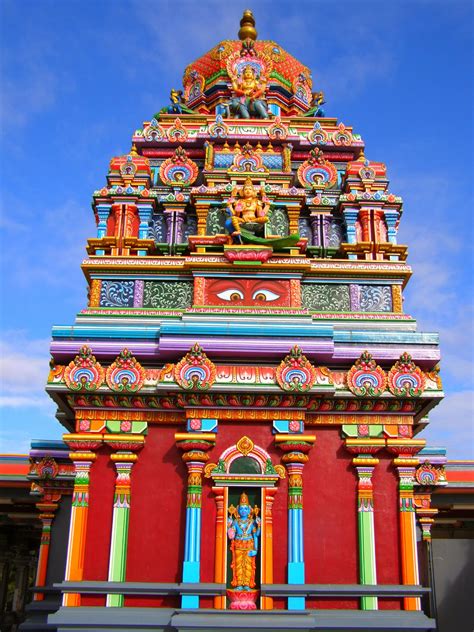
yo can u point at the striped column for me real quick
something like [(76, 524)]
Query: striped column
[(123, 459), (195, 446), (295, 448), (83, 459), (267, 544), (365, 464), (405, 465), (221, 543), (46, 516)]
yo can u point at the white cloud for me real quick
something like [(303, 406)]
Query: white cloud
[(452, 425), (24, 365), (53, 261)]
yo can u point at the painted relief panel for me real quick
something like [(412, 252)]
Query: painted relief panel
[(375, 298), (167, 294), (116, 294), (248, 292), (326, 297)]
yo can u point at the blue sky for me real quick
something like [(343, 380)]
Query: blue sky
[(78, 77)]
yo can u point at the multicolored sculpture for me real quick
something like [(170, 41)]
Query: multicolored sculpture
[(243, 530), (249, 89), (247, 211), (245, 339)]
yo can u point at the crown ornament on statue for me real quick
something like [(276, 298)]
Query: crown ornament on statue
[(244, 499)]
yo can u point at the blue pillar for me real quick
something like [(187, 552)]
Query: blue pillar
[(296, 571), (350, 217), (391, 218), (192, 550), (144, 213), (103, 212), (195, 446)]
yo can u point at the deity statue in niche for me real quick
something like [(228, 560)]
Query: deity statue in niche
[(243, 529), (248, 212), (249, 89)]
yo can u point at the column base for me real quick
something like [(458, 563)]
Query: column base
[(296, 576), (191, 575)]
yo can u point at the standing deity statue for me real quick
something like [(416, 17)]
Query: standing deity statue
[(243, 529), (249, 90), (247, 211)]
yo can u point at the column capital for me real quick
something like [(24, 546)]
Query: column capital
[(364, 447), (405, 449), (82, 443), (195, 445), (126, 443)]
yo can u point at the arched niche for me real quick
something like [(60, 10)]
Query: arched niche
[(244, 467)]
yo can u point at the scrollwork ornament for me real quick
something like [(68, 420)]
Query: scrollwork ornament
[(195, 371), (153, 131), (316, 172), (126, 374), (179, 170), (295, 372), (342, 136), (318, 136), (366, 378), (405, 379), (84, 373), (427, 475)]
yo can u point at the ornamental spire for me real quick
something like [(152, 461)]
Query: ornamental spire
[(247, 26)]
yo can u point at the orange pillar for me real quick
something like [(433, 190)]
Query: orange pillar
[(46, 516), (267, 544), (221, 543), (83, 460), (405, 463)]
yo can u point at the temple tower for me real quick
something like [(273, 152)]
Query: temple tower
[(243, 392)]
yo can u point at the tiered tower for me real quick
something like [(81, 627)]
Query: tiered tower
[(243, 392)]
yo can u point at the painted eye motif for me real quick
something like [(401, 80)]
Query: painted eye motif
[(265, 295), (231, 295)]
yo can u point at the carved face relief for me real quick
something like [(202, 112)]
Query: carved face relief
[(248, 292)]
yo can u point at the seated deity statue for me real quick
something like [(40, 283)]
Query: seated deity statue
[(243, 529), (248, 102), (246, 210), (177, 105), (317, 103)]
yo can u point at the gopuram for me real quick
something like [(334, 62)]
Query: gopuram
[(243, 393)]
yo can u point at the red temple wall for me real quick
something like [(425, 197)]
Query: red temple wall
[(330, 516), (158, 507), (99, 523), (157, 515), (387, 531)]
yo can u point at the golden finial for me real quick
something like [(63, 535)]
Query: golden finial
[(247, 26), (133, 151)]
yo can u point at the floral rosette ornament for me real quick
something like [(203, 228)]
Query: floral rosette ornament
[(84, 373), (47, 468), (125, 374), (295, 372), (179, 170), (316, 172), (405, 379), (427, 475), (366, 378), (195, 371)]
